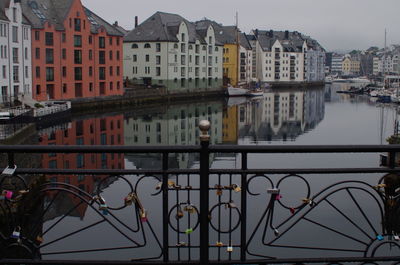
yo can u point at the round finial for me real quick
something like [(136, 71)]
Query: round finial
[(204, 125)]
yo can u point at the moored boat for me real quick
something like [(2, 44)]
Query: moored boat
[(237, 91)]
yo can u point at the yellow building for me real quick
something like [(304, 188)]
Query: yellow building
[(350, 66), (230, 63), (230, 125)]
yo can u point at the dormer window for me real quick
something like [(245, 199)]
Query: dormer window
[(147, 46), (134, 46), (210, 40), (183, 37)]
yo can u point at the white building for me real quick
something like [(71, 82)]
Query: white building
[(15, 53), (337, 60), (168, 49), (281, 57), (245, 60)]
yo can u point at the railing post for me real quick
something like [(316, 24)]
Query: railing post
[(204, 192), (165, 207)]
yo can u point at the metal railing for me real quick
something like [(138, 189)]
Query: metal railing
[(204, 215)]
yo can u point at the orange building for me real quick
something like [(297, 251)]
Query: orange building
[(75, 53), (96, 131)]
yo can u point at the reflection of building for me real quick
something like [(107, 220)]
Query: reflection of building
[(230, 125), (178, 126), (95, 131), (281, 115)]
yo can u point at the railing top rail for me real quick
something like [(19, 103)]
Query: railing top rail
[(196, 148)]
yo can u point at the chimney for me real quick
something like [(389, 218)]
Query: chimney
[(286, 34), (271, 33), (116, 23), (136, 21)]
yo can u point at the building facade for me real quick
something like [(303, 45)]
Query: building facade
[(336, 66), (167, 49), (15, 53), (76, 54)]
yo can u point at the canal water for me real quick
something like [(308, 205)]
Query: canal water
[(285, 117)]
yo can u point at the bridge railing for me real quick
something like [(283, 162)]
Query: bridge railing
[(201, 215)]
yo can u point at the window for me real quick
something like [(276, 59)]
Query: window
[(111, 71), (65, 89), (90, 39), (158, 59), (147, 58), (15, 34), (64, 71), (110, 41), (134, 46), (183, 47), (37, 71), (15, 55), (158, 47), (102, 57), (110, 55), (117, 55), (175, 46), (147, 46), (134, 57), (49, 38), (102, 42), (16, 74), (90, 71), (49, 56), (102, 73), (26, 72), (49, 74), (77, 40), (26, 53), (64, 53), (37, 35), (78, 73), (158, 71), (63, 37), (4, 72), (90, 54), (77, 23), (78, 56), (118, 72)]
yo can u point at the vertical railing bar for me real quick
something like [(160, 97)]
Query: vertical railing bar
[(11, 161), (165, 206), (243, 207), (392, 159), (204, 191)]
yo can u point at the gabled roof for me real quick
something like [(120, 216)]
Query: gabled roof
[(37, 12), (3, 5), (290, 41), (244, 42), (223, 34), (162, 27)]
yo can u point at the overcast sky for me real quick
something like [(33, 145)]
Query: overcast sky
[(336, 24)]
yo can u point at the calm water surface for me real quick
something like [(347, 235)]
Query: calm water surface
[(288, 117)]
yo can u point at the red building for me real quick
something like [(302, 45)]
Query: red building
[(75, 53)]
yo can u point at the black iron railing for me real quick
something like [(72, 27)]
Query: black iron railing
[(204, 214)]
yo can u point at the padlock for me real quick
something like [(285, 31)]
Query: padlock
[(16, 234), (143, 216), (8, 194), (219, 192), (129, 199), (379, 237), (9, 171), (231, 205), (229, 249), (39, 239), (396, 237), (181, 244), (179, 214), (276, 232), (188, 231), (273, 191), (292, 210), (278, 197), (171, 183), (219, 244), (159, 185), (188, 187), (236, 188), (190, 209)]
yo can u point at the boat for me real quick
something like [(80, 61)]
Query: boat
[(234, 101), (255, 93), (237, 91)]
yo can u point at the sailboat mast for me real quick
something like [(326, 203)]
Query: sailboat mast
[(238, 48)]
